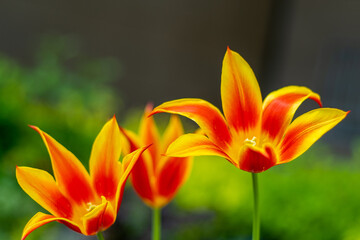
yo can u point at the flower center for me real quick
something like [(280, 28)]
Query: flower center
[(90, 206), (251, 142)]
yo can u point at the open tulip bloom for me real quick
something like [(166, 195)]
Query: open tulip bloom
[(86, 203), (253, 135), (157, 178)]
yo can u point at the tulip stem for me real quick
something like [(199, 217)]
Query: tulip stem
[(100, 236), (156, 224), (256, 214)]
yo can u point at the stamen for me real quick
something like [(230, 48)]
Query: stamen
[(252, 141), (90, 206)]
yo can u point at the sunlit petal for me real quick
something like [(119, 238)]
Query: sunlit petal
[(142, 171), (68, 170), (307, 129), (128, 164), (41, 219), (207, 116), (194, 145), (240, 93), (279, 108), (41, 187), (104, 160)]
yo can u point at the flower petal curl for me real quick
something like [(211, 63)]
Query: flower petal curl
[(206, 115), (279, 108), (40, 219), (306, 130)]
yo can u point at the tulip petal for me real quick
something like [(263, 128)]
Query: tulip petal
[(141, 180), (173, 131), (279, 108), (256, 160), (206, 115), (104, 160), (240, 93), (41, 219), (99, 219), (149, 134), (192, 144), (173, 174), (306, 130), (142, 171), (132, 141), (42, 188), (68, 170), (128, 164)]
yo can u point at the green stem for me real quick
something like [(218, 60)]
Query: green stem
[(100, 236), (156, 224), (256, 216)]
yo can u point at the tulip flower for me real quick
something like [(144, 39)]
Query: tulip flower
[(157, 178), (253, 135), (86, 203)]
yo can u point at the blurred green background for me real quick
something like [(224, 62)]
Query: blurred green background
[(67, 68)]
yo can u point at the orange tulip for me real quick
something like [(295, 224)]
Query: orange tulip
[(86, 203), (254, 135), (157, 178)]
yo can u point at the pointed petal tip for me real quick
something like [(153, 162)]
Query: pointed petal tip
[(113, 119), (38, 130), (34, 127), (346, 113), (149, 107), (18, 168), (228, 51), (24, 237), (316, 97)]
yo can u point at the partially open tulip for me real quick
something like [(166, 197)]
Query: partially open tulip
[(86, 203), (253, 135), (157, 178)]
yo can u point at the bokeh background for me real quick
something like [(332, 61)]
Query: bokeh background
[(68, 66)]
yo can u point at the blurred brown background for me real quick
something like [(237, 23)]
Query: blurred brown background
[(174, 49)]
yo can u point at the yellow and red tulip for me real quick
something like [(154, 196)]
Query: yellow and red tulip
[(157, 178), (253, 135), (86, 203)]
